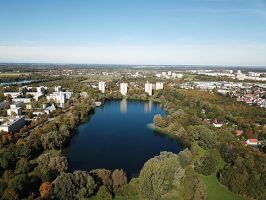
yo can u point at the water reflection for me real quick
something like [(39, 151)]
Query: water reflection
[(123, 106), (147, 106)]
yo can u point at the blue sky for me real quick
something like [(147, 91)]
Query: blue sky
[(218, 32)]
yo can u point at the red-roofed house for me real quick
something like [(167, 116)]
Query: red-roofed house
[(239, 132), (252, 142)]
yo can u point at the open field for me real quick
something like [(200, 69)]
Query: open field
[(216, 190), (14, 74)]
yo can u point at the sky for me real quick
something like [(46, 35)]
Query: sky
[(177, 32)]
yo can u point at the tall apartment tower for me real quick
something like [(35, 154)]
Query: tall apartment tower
[(102, 86), (123, 89), (148, 88), (158, 86)]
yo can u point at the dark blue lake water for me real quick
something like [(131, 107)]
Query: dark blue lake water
[(117, 137)]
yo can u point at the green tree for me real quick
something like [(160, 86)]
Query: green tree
[(78, 184)]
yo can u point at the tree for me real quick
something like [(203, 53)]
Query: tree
[(105, 177), (119, 178), (45, 189), (103, 193), (78, 184), (208, 164), (159, 121), (185, 157), (160, 174), (52, 140), (23, 166), (53, 162)]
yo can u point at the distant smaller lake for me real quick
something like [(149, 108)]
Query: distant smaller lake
[(15, 82), (117, 136)]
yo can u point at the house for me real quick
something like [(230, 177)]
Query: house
[(14, 109), (217, 124), (252, 141), (50, 109), (239, 132)]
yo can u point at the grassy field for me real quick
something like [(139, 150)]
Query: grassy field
[(13, 74), (215, 190)]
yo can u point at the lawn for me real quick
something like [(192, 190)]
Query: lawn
[(13, 74), (217, 191)]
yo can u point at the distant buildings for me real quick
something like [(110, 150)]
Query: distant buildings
[(148, 88), (123, 89), (169, 75), (13, 124), (102, 86)]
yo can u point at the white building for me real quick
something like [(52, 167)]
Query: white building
[(41, 89), (14, 109), (58, 88), (29, 106), (13, 124), (24, 100), (123, 89), (59, 97), (102, 86), (179, 75), (158, 86), (239, 75), (12, 94), (148, 88)]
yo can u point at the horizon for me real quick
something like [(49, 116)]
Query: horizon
[(202, 33)]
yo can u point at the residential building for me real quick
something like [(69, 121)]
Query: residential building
[(102, 86), (254, 142), (148, 88), (24, 100), (158, 86), (13, 124), (14, 110), (58, 88), (59, 97), (123, 89)]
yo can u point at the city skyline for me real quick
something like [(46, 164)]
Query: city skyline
[(206, 32)]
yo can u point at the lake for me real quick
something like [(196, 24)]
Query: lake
[(117, 136), (15, 82)]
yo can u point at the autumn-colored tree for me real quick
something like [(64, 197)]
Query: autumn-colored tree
[(45, 188)]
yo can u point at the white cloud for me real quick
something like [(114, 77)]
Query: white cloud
[(222, 54)]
